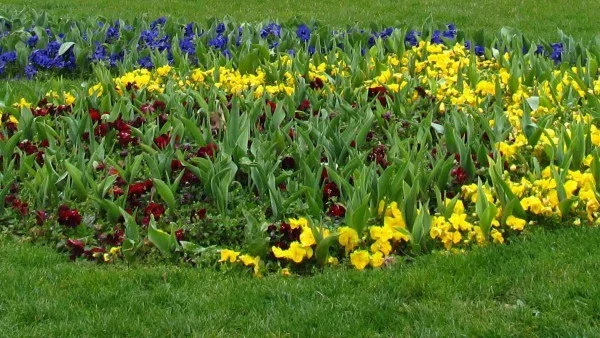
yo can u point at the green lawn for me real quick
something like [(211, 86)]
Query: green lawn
[(544, 285), (535, 18)]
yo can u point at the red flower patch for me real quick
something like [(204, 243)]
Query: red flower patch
[(68, 217)]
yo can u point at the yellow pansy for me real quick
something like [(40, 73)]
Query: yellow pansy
[(360, 259)]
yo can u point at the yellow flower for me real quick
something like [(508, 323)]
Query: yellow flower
[(381, 246), (229, 255), (164, 70), (297, 253), (381, 233), (332, 260), (360, 259), (285, 272), (348, 238), (296, 223), (69, 98), (10, 118), (22, 103), (96, 90), (459, 222), (515, 223), (248, 260), (497, 236), (377, 259), (279, 252), (533, 204), (456, 237), (307, 237)]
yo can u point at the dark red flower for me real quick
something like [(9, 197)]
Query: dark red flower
[(162, 141), (137, 122), (317, 83), (330, 190), (101, 130), (304, 106), (159, 105), (94, 253), (154, 209), (379, 93), (378, 154), (179, 234), (40, 216), (176, 165), (208, 151), (27, 147), (324, 175), (460, 175), (272, 105), (147, 108), (39, 112), (292, 133), (113, 239), (189, 178), (94, 115), (197, 215), (288, 163), (76, 247), (63, 108), (336, 210), (68, 217)]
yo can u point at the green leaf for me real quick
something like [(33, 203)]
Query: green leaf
[(486, 218), (76, 177), (322, 249), (163, 241), (165, 193), (65, 47)]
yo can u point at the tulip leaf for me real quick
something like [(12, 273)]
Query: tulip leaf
[(165, 193), (76, 177), (322, 249), (163, 241)]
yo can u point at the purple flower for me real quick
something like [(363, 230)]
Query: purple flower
[(112, 33), (411, 38), (99, 53), (303, 33), (187, 46), (479, 50), (271, 29), (8, 57), (219, 42), (158, 22), (30, 71), (32, 41), (114, 58), (146, 62), (557, 50), (539, 50), (188, 31), (220, 28), (436, 37)]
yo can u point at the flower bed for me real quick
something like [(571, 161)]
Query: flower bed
[(291, 162)]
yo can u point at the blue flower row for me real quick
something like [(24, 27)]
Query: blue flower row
[(28, 50)]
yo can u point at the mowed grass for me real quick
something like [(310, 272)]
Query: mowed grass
[(542, 285), (536, 19)]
